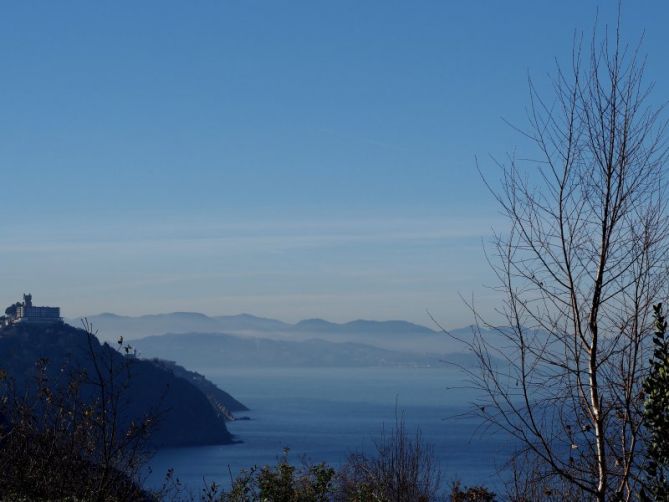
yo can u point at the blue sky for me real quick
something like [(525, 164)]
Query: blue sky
[(290, 159)]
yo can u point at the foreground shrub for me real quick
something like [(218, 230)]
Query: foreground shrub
[(471, 494), (283, 482), (400, 469), (656, 413), (65, 440)]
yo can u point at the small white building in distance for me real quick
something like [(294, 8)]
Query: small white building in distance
[(26, 312)]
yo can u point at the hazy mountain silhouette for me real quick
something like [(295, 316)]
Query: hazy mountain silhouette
[(212, 350), (360, 326), (111, 326), (249, 322)]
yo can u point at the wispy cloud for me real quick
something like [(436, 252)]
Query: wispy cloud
[(283, 235)]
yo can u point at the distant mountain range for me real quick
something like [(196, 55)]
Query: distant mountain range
[(111, 326), (215, 350), (200, 341)]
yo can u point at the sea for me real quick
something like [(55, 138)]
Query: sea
[(325, 414)]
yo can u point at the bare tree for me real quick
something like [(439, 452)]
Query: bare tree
[(65, 433), (400, 469), (583, 260)]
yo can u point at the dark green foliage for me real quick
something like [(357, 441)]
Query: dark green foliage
[(471, 493), (11, 310), (656, 413), (364, 478), (401, 468), (281, 483)]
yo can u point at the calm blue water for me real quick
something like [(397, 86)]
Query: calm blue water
[(324, 414)]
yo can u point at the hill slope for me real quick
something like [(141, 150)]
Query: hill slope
[(222, 402), (186, 415)]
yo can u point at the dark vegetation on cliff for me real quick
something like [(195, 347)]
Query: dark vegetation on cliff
[(184, 413), (221, 401)]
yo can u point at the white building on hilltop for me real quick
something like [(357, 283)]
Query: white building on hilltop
[(27, 312)]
